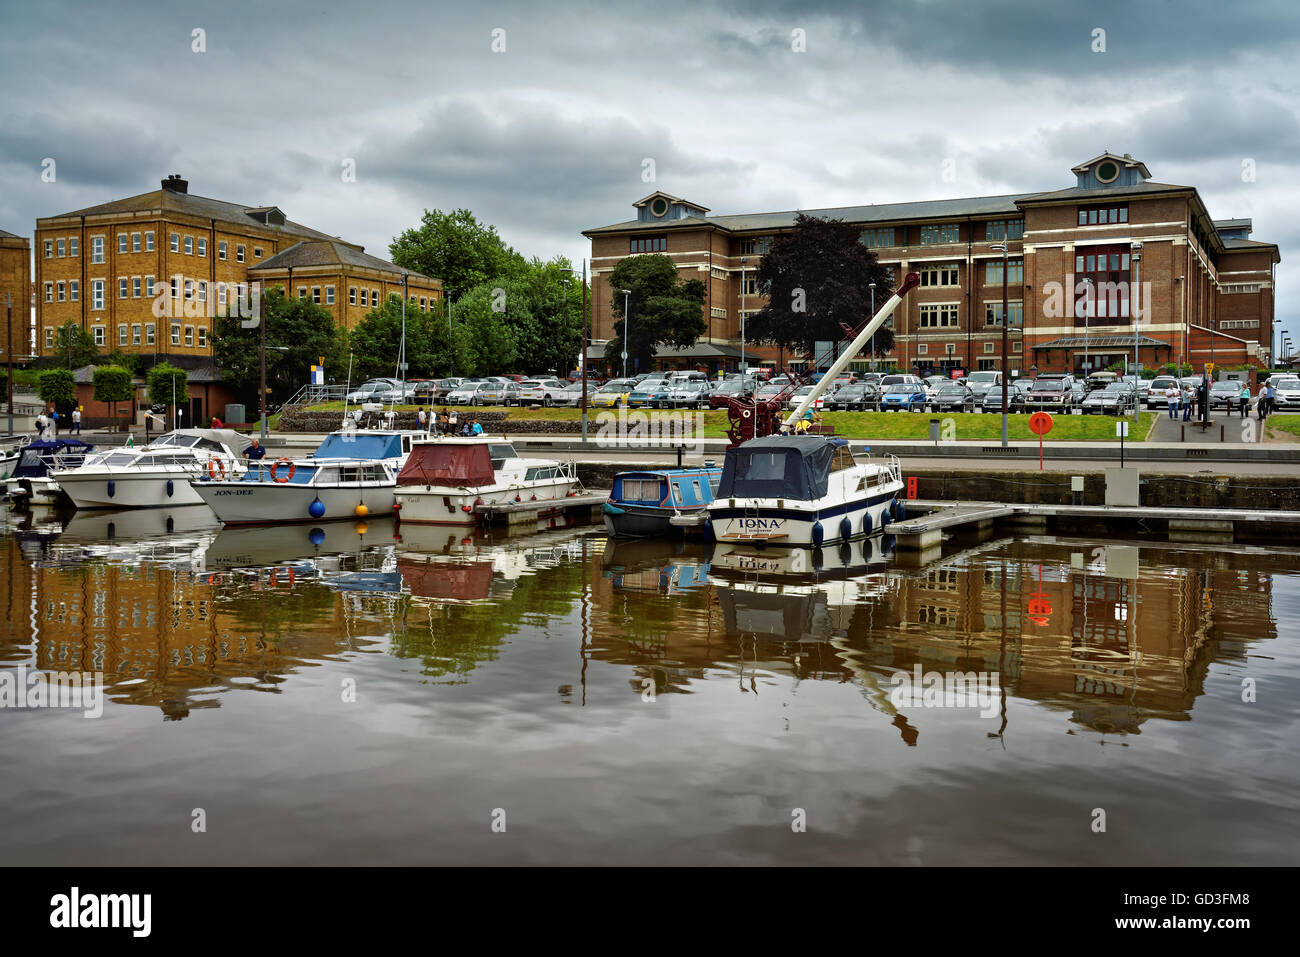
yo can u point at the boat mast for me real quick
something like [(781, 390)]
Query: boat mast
[(910, 281)]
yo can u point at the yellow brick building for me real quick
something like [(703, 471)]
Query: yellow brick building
[(15, 287)]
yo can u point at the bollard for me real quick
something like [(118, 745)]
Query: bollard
[(1182, 434), (1220, 431)]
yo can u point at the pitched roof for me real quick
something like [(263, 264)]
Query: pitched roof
[(671, 198), (1124, 160), (187, 204), (7, 235), (1104, 193), (330, 252)]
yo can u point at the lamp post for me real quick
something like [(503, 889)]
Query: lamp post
[(743, 366), (1135, 300), (1006, 341), (401, 378), (627, 322), (1087, 306)]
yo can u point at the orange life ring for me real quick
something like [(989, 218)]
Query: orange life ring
[(276, 465), (274, 575), (215, 466)]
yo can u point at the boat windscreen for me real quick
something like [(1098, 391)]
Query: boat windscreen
[(359, 445)]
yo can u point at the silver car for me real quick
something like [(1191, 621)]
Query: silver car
[(468, 394)]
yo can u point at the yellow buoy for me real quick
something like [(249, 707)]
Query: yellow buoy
[(361, 528), (362, 511)]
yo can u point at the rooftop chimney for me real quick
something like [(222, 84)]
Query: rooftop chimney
[(176, 184)]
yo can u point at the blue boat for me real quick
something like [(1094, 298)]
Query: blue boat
[(656, 502), (30, 483)]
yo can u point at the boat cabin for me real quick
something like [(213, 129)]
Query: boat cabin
[(667, 488), (794, 467)]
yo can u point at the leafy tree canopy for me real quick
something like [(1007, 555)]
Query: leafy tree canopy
[(113, 384), (664, 309), (433, 350), (456, 248), (817, 277), (74, 347), (168, 385), (57, 386)]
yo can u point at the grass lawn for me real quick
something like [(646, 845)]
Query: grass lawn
[(1289, 424), (967, 426)]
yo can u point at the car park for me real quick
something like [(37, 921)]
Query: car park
[(980, 382), (1115, 399), (734, 387), (1017, 396), (953, 396), (649, 394), (499, 393), (770, 391), (903, 396), (468, 393), (857, 397), (543, 392), (371, 390), (689, 393), (800, 394), (1100, 380)]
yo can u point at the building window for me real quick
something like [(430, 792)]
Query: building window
[(189, 335), (1102, 215), (203, 337), (257, 252), (239, 253), (315, 294), (988, 347), (189, 289), (203, 291), (149, 334), (424, 304), (62, 287), (374, 297), (993, 272), (135, 334), (1001, 229), (49, 249), (135, 242), (121, 334), (148, 241), (61, 244), (758, 246), (221, 294), (74, 246), (329, 297), (394, 297), (650, 244), (1017, 346), (302, 292), (176, 287), (939, 274), (148, 286), (96, 249), (750, 285), (987, 365), (176, 242), (352, 295), (881, 236), (176, 334), (221, 249), (74, 290), (97, 294), (101, 335), (189, 245), (135, 287), (49, 337), (993, 313), (717, 312), (121, 242), (1105, 295), (1239, 287), (203, 247), (939, 317), (123, 287), (939, 233), (49, 292)]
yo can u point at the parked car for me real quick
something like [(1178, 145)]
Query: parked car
[(468, 393), (1099, 380), (649, 394), (857, 397), (770, 391), (499, 393), (1156, 391), (689, 393), (441, 388), (1286, 391), (903, 396), (543, 392), (371, 390), (1115, 399), (733, 387), (953, 396), (612, 394), (980, 382), (1017, 396), (1054, 393), (571, 395), (1224, 394), (800, 394), (898, 378), (843, 379)]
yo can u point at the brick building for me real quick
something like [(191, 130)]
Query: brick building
[(1200, 287), (15, 289)]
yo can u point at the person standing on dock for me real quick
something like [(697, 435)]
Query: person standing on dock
[(423, 420), (1243, 399), (76, 421), (453, 419), (1171, 396), (443, 427), (1261, 402)]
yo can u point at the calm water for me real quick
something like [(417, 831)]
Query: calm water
[(347, 694)]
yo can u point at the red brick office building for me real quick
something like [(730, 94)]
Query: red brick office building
[(1200, 288)]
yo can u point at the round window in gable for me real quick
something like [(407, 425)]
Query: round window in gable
[(1107, 172), (658, 206)]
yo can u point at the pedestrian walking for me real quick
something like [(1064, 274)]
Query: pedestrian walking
[(1171, 396), (54, 423), (453, 420), (442, 421), (1243, 399), (1261, 402), (1270, 395), (40, 422), (422, 419), (76, 421), (1187, 403)]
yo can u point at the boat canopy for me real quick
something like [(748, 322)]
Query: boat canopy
[(450, 464), (37, 456), (469, 582), (359, 445), (794, 467)]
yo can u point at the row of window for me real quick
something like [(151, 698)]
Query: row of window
[(933, 234), (1102, 215), (70, 246), (945, 315), (950, 350), (136, 287), (650, 244), (143, 242), (141, 334)]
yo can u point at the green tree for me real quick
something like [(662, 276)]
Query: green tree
[(554, 338), (57, 386), (113, 385), (495, 318), (432, 348), (665, 309), (168, 385), (74, 347), (298, 334), (456, 248), (818, 280)]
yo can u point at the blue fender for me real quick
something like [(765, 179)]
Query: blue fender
[(846, 528), (611, 509), (818, 533)]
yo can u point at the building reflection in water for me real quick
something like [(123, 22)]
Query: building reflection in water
[(177, 612)]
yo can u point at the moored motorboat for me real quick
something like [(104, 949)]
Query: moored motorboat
[(29, 481), (301, 490), (445, 479), (657, 502), (154, 475)]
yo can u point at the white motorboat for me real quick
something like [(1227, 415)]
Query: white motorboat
[(802, 490), (29, 481), (445, 478), (153, 475), (301, 490)]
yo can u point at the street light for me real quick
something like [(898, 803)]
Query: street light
[(626, 323), (743, 368), (1006, 342)]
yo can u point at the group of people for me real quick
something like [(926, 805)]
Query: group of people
[(447, 422), (49, 422), (1189, 399)]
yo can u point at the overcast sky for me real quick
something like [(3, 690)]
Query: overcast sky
[(549, 136)]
